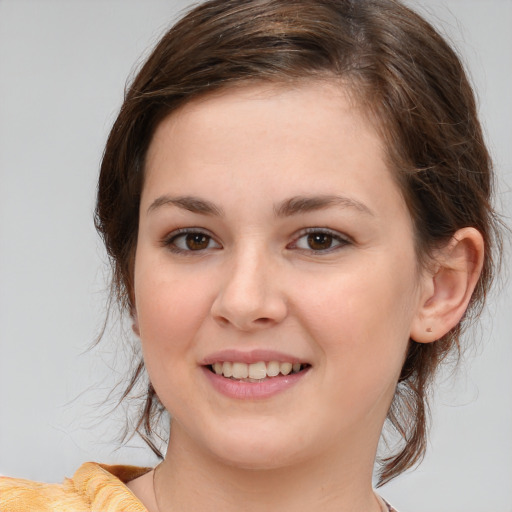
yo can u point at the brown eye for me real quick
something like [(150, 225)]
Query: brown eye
[(190, 241), (197, 241), (320, 241)]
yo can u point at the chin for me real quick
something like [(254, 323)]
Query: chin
[(260, 460), (257, 448)]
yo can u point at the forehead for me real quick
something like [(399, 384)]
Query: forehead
[(239, 118), (303, 137)]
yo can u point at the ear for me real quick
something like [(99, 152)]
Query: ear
[(448, 287)]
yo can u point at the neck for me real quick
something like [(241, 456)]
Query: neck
[(337, 481)]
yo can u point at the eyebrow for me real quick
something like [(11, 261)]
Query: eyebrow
[(304, 204), (190, 203), (293, 206)]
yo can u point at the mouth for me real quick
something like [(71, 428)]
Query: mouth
[(255, 372)]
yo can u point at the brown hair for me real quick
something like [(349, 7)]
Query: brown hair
[(409, 80)]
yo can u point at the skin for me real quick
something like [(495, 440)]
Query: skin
[(257, 282)]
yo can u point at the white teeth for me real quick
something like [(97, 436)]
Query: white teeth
[(285, 368), (258, 370), (227, 369), (240, 371), (273, 369)]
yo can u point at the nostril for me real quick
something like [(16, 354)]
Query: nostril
[(222, 320), (263, 321)]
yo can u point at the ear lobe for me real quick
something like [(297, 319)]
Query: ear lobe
[(449, 287)]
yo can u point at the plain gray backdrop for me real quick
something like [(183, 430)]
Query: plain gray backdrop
[(63, 65)]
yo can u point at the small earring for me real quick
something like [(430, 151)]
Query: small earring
[(429, 329)]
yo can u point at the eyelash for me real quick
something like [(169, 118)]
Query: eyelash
[(333, 237), (170, 240), (341, 240)]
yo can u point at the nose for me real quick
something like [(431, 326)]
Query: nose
[(250, 296)]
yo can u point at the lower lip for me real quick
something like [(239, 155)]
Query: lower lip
[(253, 390)]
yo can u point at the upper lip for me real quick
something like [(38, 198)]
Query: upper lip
[(249, 357)]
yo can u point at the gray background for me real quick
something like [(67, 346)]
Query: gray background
[(63, 64)]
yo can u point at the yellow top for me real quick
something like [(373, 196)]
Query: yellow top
[(93, 488)]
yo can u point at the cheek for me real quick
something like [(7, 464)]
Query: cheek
[(170, 312), (361, 304), (361, 322)]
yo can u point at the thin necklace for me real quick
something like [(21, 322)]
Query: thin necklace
[(154, 489)]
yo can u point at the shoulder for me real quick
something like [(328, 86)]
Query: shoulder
[(18, 495), (92, 487)]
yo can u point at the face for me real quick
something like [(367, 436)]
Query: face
[(275, 275)]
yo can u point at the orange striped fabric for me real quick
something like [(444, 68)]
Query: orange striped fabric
[(93, 488)]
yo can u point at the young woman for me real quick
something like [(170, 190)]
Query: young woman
[(296, 198)]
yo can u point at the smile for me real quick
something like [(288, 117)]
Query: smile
[(254, 375), (255, 372)]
